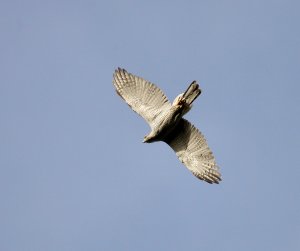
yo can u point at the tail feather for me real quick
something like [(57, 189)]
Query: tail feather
[(192, 92)]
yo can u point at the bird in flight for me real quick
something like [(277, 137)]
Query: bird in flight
[(166, 122)]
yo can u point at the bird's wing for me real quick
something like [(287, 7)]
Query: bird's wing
[(192, 150), (143, 97)]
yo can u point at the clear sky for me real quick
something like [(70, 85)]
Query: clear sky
[(74, 173)]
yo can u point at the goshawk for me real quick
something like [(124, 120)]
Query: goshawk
[(167, 124)]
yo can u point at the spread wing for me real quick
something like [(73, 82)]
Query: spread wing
[(192, 150), (143, 97)]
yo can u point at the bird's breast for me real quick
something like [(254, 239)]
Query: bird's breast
[(167, 123)]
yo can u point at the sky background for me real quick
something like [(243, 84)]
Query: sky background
[(74, 173)]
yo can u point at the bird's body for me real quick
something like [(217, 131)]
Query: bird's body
[(167, 124), (169, 118)]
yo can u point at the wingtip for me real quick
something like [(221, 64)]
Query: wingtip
[(119, 69), (119, 72), (217, 179), (213, 181), (211, 178)]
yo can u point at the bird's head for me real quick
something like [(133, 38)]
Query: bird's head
[(148, 139)]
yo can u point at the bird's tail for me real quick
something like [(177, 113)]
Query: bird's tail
[(192, 92)]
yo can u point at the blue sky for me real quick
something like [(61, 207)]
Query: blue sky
[(74, 174)]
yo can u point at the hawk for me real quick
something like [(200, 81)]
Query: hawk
[(166, 122)]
